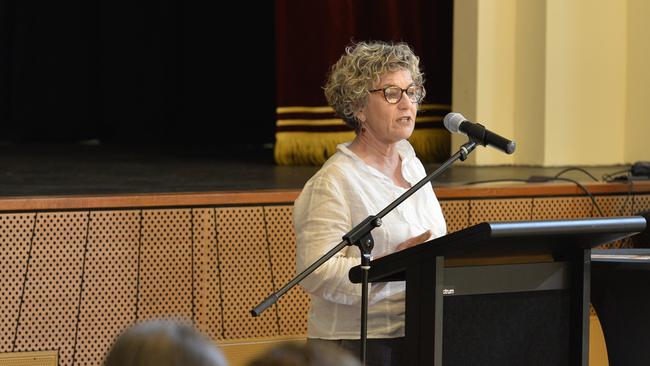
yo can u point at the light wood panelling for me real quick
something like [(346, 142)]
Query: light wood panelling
[(15, 239), (615, 205), (264, 197), (88, 280), (535, 189), (241, 352), (456, 214), (554, 208), (245, 272), (165, 281), (151, 200), (597, 345), (108, 302), (514, 209), (293, 306), (42, 358), (48, 316), (206, 274), (641, 202)]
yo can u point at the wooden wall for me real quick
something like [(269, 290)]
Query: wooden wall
[(73, 278)]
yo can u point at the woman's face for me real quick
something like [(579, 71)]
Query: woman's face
[(389, 123)]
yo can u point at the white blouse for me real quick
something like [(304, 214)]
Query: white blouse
[(341, 194)]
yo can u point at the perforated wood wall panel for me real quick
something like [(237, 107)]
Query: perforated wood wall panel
[(91, 274), (245, 272), (636, 204), (166, 285), (615, 205), (16, 236), (561, 208), (641, 202), (48, 316), (293, 306), (456, 214), (206, 274), (499, 210), (108, 302)]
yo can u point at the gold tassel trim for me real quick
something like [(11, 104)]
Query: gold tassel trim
[(431, 145), (314, 148), (308, 148)]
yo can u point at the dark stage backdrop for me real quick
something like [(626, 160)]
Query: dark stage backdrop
[(180, 73), (312, 35), (165, 72)]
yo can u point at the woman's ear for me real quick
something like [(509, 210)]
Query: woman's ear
[(360, 115)]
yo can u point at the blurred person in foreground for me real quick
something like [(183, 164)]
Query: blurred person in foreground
[(163, 343), (376, 87), (309, 354)]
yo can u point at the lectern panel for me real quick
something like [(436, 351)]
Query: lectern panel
[(529, 328)]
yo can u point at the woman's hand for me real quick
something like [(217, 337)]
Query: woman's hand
[(419, 239)]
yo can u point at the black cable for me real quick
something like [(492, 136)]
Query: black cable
[(542, 179), (611, 177), (591, 196), (497, 181), (631, 192), (627, 242), (575, 168), (629, 197)]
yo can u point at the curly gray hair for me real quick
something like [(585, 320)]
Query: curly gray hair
[(362, 65)]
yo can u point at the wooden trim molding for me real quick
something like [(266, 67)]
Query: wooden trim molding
[(36, 358), (538, 189), (35, 203), (266, 197)]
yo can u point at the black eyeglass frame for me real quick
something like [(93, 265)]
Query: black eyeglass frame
[(401, 94)]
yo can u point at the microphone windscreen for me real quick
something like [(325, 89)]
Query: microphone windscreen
[(453, 120)]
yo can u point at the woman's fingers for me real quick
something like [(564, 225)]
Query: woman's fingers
[(419, 239)]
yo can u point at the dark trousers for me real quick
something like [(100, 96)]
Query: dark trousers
[(379, 352)]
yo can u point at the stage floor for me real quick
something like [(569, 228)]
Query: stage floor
[(45, 170)]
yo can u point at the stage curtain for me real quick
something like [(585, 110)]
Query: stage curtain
[(167, 73), (312, 35)]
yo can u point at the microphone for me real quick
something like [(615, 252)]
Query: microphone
[(457, 123)]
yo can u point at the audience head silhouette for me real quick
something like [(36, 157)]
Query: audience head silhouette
[(308, 354), (163, 343)]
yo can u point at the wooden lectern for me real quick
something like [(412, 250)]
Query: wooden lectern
[(503, 293)]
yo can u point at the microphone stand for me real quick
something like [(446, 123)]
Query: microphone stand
[(361, 237)]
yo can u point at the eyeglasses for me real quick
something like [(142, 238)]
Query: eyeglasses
[(393, 94)]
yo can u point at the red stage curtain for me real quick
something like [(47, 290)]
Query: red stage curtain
[(312, 35)]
